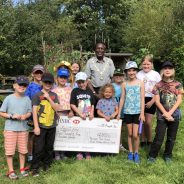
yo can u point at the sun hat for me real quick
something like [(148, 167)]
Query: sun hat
[(63, 72), (131, 64), (81, 76), (22, 80), (38, 68), (47, 77), (63, 64)]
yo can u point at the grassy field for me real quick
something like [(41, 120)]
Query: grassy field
[(107, 170)]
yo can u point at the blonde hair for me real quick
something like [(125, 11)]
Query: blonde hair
[(103, 88), (162, 74), (149, 58)]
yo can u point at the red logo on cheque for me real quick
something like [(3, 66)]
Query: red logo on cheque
[(76, 121)]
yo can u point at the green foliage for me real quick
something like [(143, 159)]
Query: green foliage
[(101, 18), (177, 56), (155, 25)]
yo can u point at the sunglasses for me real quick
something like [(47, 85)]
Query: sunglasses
[(24, 85)]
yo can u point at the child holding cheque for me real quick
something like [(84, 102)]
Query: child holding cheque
[(107, 106), (82, 103)]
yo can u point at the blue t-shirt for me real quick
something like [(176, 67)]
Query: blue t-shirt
[(16, 105), (32, 89), (107, 106)]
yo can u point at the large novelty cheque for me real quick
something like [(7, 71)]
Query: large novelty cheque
[(97, 135)]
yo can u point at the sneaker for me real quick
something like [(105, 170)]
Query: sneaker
[(130, 156), (35, 173), (57, 157), (136, 158), (63, 156), (30, 158), (123, 148), (167, 160), (151, 160)]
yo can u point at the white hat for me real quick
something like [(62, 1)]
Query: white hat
[(131, 64), (81, 76)]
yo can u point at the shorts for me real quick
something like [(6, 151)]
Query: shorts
[(131, 118), (152, 109), (13, 139)]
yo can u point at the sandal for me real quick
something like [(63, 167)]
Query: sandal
[(79, 156), (12, 175), (24, 172)]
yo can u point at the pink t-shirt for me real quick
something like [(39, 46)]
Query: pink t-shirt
[(64, 97)]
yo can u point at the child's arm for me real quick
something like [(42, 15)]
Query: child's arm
[(122, 100), (5, 115), (76, 110), (102, 115), (115, 113), (25, 116), (150, 103), (54, 105), (177, 104), (162, 109), (35, 120), (142, 117), (91, 115)]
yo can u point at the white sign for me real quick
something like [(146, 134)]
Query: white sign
[(97, 135)]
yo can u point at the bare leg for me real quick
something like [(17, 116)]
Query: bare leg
[(148, 126), (129, 127), (22, 160), (136, 137), (9, 159)]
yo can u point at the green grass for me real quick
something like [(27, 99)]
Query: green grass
[(107, 170)]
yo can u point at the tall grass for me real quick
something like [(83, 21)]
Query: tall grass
[(107, 169)]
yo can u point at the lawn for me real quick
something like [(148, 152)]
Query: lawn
[(107, 170)]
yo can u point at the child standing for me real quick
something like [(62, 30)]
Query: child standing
[(16, 108), (168, 97), (63, 92), (118, 79), (32, 89), (82, 103), (132, 101), (45, 103), (107, 106), (150, 78)]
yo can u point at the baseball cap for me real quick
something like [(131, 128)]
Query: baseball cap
[(63, 72), (48, 77), (38, 68), (22, 80), (131, 64), (81, 76), (118, 72), (167, 63)]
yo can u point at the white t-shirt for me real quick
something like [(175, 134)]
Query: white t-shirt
[(149, 79)]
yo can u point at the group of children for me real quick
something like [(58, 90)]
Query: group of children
[(132, 100)]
